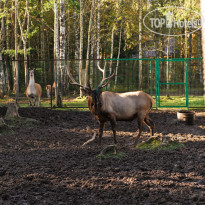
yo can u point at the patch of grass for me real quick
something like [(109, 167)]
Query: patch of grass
[(22, 122), (194, 101), (157, 144)]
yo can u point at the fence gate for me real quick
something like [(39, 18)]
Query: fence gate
[(172, 83)]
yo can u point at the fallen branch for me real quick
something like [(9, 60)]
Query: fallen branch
[(90, 140)]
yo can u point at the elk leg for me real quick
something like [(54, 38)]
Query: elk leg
[(150, 124), (113, 125), (30, 103), (101, 128), (140, 124), (38, 101), (35, 101)]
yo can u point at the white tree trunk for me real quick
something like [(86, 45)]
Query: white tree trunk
[(88, 44), (77, 43), (203, 40), (98, 33), (140, 45), (56, 54), (24, 37), (118, 56), (81, 43), (62, 45)]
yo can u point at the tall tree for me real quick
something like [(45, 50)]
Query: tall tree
[(98, 33), (81, 43), (16, 76), (24, 28), (56, 56), (88, 43), (140, 45), (2, 72), (203, 39), (62, 46)]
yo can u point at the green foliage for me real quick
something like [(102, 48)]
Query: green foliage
[(157, 144), (9, 52)]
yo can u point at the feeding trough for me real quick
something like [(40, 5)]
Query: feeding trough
[(185, 116)]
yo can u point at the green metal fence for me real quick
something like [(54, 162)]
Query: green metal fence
[(171, 82)]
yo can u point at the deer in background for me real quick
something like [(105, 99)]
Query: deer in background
[(110, 106), (48, 89), (34, 90)]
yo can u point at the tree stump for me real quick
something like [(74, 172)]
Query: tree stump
[(12, 111)]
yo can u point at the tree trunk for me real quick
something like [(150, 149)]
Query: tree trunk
[(81, 43), (88, 44), (203, 40), (167, 72), (12, 111), (16, 78), (140, 45), (2, 78), (118, 56), (98, 34), (2, 72), (24, 37), (62, 46), (42, 45), (56, 56)]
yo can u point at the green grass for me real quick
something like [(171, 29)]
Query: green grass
[(157, 144), (81, 103), (194, 101)]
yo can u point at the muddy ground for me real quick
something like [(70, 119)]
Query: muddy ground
[(46, 164)]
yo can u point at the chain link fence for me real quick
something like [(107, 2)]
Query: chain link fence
[(127, 78)]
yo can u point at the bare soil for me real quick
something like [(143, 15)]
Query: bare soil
[(46, 164)]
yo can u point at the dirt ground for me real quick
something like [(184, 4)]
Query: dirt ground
[(46, 164)]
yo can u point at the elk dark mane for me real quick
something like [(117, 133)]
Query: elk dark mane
[(97, 99)]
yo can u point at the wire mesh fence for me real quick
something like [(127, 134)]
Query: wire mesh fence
[(127, 77)]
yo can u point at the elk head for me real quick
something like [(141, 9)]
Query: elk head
[(94, 99)]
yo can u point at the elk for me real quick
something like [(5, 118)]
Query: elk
[(48, 89), (111, 106), (34, 90)]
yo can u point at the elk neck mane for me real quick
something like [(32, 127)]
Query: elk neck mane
[(96, 98)]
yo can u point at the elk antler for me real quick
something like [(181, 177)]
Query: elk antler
[(73, 80), (102, 84)]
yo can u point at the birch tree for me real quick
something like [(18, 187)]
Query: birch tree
[(88, 43), (203, 40), (62, 46), (56, 56), (24, 28), (77, 41), (81, 43), (118, 56), (140, 45), (98, 33)]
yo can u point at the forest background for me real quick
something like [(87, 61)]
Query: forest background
[(48, 35)]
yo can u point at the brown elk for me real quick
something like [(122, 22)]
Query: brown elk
[(34, 90), (110, 106), (48, 89)]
